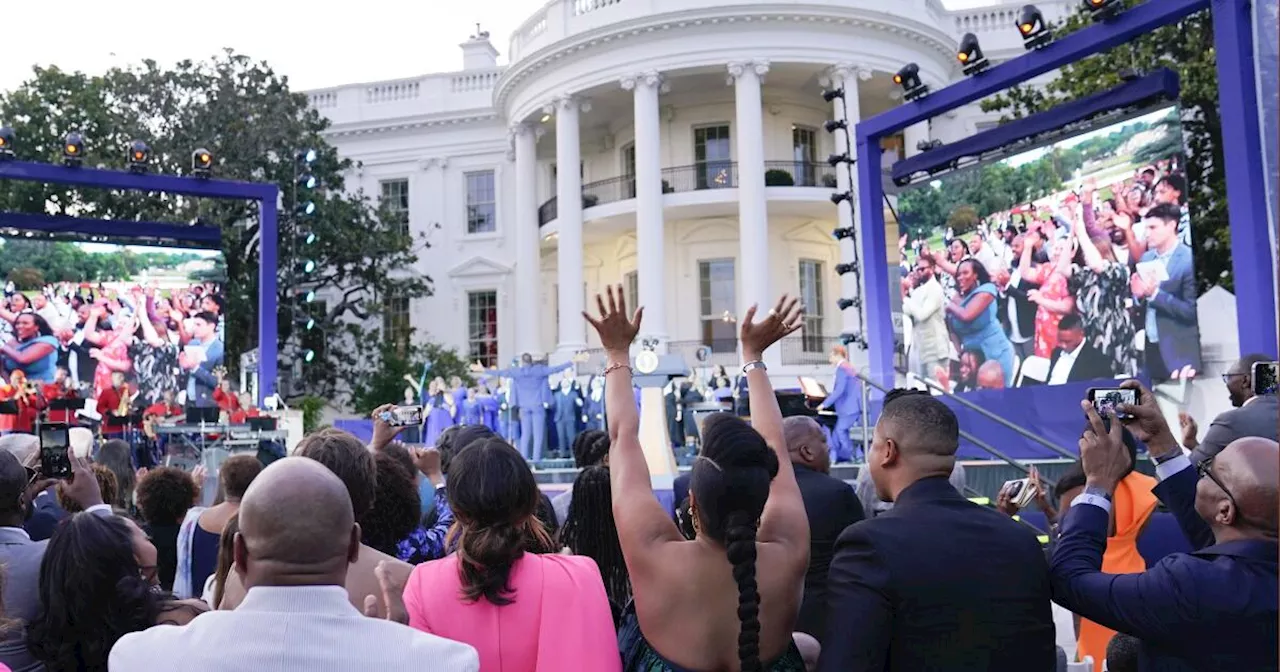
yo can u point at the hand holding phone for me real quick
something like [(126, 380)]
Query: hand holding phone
[(55, 447), (1107, 400), (402, 416)]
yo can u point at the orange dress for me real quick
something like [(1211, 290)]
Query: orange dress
[(1132, 505)]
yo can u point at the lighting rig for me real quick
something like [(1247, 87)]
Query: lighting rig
[(305, 193), (1035, 34), (846, 161)]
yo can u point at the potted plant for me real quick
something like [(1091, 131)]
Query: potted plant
[(775, 177)]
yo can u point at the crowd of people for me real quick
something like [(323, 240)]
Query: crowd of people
[(1093, 283), (385, 556), (128, 349)]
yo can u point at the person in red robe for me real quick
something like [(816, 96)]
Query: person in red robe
[(109, 404)]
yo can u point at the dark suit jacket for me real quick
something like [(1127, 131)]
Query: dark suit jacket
[(831, 506), (1090, 364), (1256, 418), (1213, 609), (938, 583), (1175, 306), (46, 513), (1026, 309)]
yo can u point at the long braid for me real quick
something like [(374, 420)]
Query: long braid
[(740, 545)]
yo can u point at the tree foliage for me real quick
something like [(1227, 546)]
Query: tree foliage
[(32, 263), (371, 388), (1187, 48), (254, 125)]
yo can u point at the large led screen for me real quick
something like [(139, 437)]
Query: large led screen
[(1065, 263), (82, 312)]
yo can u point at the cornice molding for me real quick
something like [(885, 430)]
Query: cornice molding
[(403, 124), (931, 37)]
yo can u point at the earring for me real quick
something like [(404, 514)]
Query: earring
[(697, 524)]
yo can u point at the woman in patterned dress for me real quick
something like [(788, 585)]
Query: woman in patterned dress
[(1101, 288), (1053, 300)]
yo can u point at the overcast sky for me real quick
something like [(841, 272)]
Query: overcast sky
[(365, 40)]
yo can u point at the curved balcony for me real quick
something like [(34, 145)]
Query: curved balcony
[(699, 177)]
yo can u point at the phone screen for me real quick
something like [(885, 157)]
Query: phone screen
[(1108, 400), (403, 416), (1264, 376), (55, 442)]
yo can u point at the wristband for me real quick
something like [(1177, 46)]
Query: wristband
[(752, 366), (1171, 455)]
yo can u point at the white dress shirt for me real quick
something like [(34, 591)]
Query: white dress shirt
[(1062, 368), (287, 629)]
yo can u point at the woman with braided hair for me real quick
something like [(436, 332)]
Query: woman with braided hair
[(692, 610), (589, 530)]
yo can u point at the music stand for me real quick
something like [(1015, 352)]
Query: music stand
[(9, 407), (129, 422), (69, 405)]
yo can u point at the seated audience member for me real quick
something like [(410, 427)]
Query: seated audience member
[(891, 597), (1252, 415), (164, 496), (353, 463), (298, 538), (990, 376), (1075, 360), (829, 504), (590, 449), (589, 529), (423, 464), (1212, 609), (394, 514), (428, 540), (215, 586), (728, 599), (522, 611), (1123, 654), (201, 527), (96, 584)]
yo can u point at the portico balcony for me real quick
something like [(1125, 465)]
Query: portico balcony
[(700, 177)]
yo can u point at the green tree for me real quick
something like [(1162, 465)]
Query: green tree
[(373, 386), (245, 114), (963, 219), (1187, 48)]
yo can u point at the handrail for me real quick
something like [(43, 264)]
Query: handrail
[(963, 434), (1026, 433)]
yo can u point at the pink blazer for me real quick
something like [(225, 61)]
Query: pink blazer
[(559, 620)]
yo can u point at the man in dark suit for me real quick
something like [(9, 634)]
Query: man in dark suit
[(1074, 360), (831, 506), (1212, 609), (1173, 336), (1253, 415), (1017, 312), (937, 582)]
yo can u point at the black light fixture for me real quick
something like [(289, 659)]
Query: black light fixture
[(842, 232), (73, 149), (848, 339), (926, 145), (837, 159), (840, 197), (831, 94), (970, 55), (202, 162), (7, 140), (845, 269), (306, 295), (307, 266), (909, 79), (139, 157), (835, 124), (846, 304), (309, 238), (1035, 34), (1103, 10)]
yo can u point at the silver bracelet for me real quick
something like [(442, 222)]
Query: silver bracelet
[(751, 366)]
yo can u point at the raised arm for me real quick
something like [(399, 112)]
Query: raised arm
[(783, 521), (640, 518)]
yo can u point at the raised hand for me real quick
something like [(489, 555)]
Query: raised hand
[(1146, 422), (1102, 452), (1189, 430), (783, 319), (616, 329)]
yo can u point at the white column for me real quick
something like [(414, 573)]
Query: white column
[(649, 220), (912, 136), (753, 215), (528, 240), (846, 76), (572, 335)]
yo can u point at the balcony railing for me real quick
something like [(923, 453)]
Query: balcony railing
[(698, 177)]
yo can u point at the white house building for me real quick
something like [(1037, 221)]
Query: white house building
[(701, 182)]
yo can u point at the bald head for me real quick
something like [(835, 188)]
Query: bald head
[(806, 442), (991, 375), (1249, 469), (297, 526)]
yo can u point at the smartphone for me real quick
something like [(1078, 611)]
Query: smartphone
[(403, 416), (1109, 399), (1264, 376), (1020, 490), (55, 446)]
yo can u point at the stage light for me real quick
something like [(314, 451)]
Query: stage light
[(139, 156), (1035, 33), (971, 56), (837, 159), (201, 162), (1103, 10), (308, 156), (926, 145), (832, 94), (309, 238), (842, 233), (308, 355), (7, 140), (833, 125), (307, 266), (309, 323), (307, 181), (840, 197), (909, 79), (306, 209), (846, 304), (73, 149), (843, 269)]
